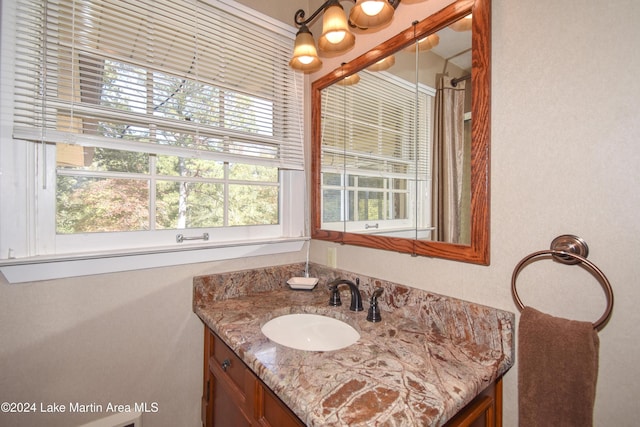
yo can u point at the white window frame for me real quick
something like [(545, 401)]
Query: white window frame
[(29, 248), (371, 226)]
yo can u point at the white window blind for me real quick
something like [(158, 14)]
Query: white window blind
[(379, 126), (185, 78)]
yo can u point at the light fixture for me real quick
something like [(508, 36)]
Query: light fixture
[(463, 24), (384, 64), (372, 13), (336, 36), (349, 80), (424, 44), (305, 56), (336, 30)]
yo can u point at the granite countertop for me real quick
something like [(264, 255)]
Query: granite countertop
[(428, 357)]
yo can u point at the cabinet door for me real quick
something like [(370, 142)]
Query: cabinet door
[(207, 406), (232, 382), (233, 396), (226, 411), (271, 411), (483, 411)]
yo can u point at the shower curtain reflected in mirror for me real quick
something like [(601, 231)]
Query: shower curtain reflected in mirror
[(450, 161)]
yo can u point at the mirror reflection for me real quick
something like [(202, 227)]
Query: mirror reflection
[(400, 141), (396, 140)]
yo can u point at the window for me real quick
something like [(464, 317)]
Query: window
[(374, 158), (139, 121), (370, 198), (112, 190)]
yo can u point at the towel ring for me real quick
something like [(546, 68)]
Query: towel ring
[(568, 249)]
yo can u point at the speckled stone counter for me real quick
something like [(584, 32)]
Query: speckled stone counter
[(428, 357)]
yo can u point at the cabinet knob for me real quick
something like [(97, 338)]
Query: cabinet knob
[(225, 364)]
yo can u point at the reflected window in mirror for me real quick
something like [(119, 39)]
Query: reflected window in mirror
[(376, 156)]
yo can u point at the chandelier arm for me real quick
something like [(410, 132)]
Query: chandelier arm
[(299, 16)]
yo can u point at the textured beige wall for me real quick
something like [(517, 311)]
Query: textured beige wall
[(564, 159), (281, 10), (120, 338)]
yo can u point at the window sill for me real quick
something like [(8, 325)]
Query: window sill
[(47, 268)]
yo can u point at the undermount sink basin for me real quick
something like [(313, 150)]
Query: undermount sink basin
[(311, 332)]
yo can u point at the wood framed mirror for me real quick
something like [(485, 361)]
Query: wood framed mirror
[(378, 206)]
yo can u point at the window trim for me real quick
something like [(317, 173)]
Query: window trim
[(59, 267)]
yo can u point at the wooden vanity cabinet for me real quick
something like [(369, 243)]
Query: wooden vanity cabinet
[(483, 411), (234, 396)]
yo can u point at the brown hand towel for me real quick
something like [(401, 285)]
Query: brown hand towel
[(557, 371)]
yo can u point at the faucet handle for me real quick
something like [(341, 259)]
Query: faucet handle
[(334, 299), (374, 311)]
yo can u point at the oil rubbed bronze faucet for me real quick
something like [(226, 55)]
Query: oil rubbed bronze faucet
[(356, 297), (374, 310)]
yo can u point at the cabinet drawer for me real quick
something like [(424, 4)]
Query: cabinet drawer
[(226, 361)]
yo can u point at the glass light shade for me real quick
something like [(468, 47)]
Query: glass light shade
[(424, 44), (372, 7), (383, 64), (361, 16), (305, 56), (349, 80), (336, 36), (463, 24)]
